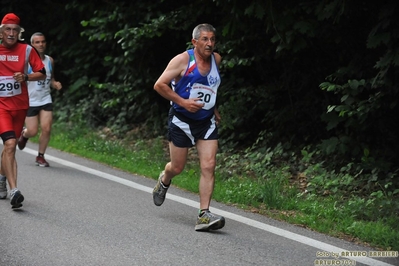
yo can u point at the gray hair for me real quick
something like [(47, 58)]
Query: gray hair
[(202, 27), (36, 34), (20, 29)]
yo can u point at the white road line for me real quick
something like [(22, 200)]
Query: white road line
[(272, 229)]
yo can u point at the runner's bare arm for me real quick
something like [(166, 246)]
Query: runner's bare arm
[(174, 71)]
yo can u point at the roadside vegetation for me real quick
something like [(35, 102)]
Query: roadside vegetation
[(251, 180)]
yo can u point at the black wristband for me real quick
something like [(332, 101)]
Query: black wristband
[(26, 78)]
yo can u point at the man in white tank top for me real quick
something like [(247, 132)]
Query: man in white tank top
[(40, 103)]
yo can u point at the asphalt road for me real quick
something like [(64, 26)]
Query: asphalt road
[(79, 212)]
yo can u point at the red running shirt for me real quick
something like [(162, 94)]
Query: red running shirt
[(14, 95)]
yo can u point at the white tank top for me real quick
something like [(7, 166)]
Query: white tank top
[(40, 91)]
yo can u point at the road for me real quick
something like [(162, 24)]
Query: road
[(80, 212)]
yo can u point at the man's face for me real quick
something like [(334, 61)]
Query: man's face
[(205, 43), (39, 42), (10, 34)]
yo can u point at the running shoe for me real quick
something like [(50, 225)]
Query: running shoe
[(22, 140), (16, 198), (209, 221), (159, 192), (40, 161), (3, 188)]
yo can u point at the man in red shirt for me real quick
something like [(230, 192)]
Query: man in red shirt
[(15, 57)]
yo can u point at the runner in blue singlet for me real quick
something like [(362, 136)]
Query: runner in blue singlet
[(190, 82)]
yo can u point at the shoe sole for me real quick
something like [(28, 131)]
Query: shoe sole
[(17, 200), (16, 206), (42, 165), (155, 200), (21, 147), (158, 201), (212, 226)]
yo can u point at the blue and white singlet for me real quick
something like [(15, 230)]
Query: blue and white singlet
[(194, 85)]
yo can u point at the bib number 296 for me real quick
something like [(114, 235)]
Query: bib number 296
[(9, 86), (8, 89)]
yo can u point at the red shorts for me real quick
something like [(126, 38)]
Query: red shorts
[(12, 121)]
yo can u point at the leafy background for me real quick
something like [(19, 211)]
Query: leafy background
[(302, 81)]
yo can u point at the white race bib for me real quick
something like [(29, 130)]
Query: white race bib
[(41, 84), (9, 87), (205, 93)]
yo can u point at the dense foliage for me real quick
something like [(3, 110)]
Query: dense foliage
[(300, 77)]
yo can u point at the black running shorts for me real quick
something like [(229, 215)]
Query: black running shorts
[(184, 132), (35, 110)]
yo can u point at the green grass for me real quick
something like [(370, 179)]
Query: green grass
[(141, 157), (273, 196)]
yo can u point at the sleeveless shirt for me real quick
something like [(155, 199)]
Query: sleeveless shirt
[(194, 85), (14, 95), (40, 91)]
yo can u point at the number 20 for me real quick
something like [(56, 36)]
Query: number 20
[(205, 97)]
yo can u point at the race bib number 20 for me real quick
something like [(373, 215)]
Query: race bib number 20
[(9, 87), (205, 93)]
